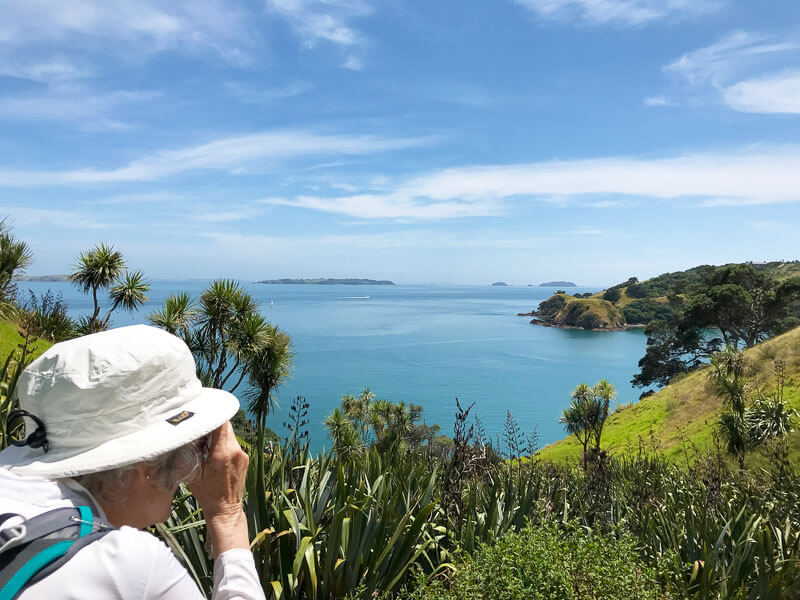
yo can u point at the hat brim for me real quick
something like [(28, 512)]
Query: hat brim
[(210, 409)]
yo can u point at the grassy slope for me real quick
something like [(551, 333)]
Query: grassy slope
[(580, 310), (9, 338), (686, 410)]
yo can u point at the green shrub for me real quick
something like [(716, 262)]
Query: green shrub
[(549, 563), (612, 294)]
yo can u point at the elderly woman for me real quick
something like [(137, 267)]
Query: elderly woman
[(114, 422)]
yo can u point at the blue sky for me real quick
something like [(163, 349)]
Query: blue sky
[(446, 141)]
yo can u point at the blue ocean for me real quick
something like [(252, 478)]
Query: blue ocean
[(426, 344)]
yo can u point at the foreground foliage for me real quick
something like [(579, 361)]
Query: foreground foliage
[(549, 563), (388, 524)]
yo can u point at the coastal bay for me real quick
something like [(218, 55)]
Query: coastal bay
[(423, 344)]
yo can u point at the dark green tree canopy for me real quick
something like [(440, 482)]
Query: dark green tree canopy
[(736, 305)]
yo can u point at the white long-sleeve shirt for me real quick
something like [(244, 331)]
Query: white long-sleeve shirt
[(124, 564)]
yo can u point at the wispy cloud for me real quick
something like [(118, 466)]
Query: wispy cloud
[(394, 206), (746, 71), (226, 216), (327, 21), (91, 111), (726, 58), (322, 20), (70, 219), (150, 25), (54, 69), (757, 176), (620, 13), (353, 63), (252, 95), (413, 239), (656, 101), (232, 155)]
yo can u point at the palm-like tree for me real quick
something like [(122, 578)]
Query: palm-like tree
[(101, 268), (346, 440), (603, 392), (730, 382), (586, 415), (268, 368), (176, 314), (15, 257), (577, 418), (223, 311)]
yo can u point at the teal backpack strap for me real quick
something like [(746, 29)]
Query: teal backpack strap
[(42, 545)]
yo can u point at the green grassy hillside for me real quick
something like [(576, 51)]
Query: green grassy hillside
[(10, 338), (563, 310), (679, 419)]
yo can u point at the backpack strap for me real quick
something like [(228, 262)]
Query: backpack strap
[(40, 545)]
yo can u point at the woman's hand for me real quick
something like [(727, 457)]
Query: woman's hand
[(219, 489)]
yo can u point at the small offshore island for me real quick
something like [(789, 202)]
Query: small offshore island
[(327, 281), (42, 278), (558, 284)]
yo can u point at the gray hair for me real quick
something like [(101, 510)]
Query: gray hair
[(168, 469)]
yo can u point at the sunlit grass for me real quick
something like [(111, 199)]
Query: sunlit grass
[(680, 418)]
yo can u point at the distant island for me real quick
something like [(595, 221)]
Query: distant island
[(500, 284), (557, 284), (327, 281), (42, 278)]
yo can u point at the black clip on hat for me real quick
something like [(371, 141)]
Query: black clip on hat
[(37, 439)]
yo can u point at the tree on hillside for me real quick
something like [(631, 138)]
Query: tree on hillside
[(103, 268), (737, 305), (586, 415), (15, 257), (745, 304)]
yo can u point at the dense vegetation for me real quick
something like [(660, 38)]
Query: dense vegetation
[(688, 315)]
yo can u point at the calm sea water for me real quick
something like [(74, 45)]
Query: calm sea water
[(427, 345)]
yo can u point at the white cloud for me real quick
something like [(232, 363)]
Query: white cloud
[(750, 177), (723, 60), (656, 101), (774, 93), (225, 216), (260, 245), (353, 63), (743, 70), (322, 20), (621, 13), (54, 69), (147, 25), (248, 93), (71, 219), (232, 154), (394, 206), (89, 111), (327, 21)]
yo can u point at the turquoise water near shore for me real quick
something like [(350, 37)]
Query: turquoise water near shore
[(427, 345)]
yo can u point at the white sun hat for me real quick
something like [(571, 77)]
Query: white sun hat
[(112, 399)]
